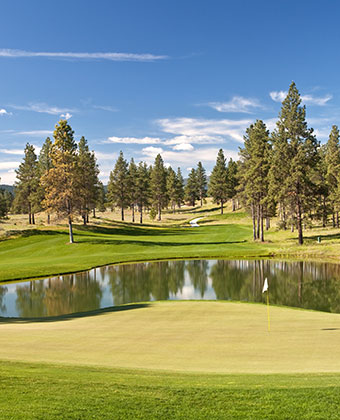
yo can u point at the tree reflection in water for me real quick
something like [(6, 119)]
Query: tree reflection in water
[(302, 284)]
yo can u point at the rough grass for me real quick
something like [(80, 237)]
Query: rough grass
[(215, 336)]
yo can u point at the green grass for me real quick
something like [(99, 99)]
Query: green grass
[(44, 392), (172, 360), (45, 251)]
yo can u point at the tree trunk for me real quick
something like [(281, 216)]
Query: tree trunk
[(284, 219), (70, 230), (299, 222), (267, 223), (292, 227), (261, 221), (159, 213), (222, 206), (337, 219), (33, 219), (324, 212), (87, 217), (141, 215), (201, 200), (333, 219), (258, 222), (48, 219), (133, 213), (84, 219), (29, 214), (94, 212), (254, 221), (122, 212), (233, 205)]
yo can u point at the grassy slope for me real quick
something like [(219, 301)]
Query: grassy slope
[(45, 251), (201, 336), (213, 336)]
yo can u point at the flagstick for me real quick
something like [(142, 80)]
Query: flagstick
[(268, 310)]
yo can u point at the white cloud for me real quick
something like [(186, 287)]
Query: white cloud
[(12, 151), (42, 108), (111, 56), (9, 165), (308, 99), (183, 146), (34, 133), (106, 156), (237, 104), (133, 140), (4, 112), (202, 127), (66, 116), (105, 108), (152, 151), (197, 139), (278, 96)]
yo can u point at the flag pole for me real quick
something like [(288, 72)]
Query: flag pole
[(268, 310)]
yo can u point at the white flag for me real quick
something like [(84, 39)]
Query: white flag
[(265, 286)]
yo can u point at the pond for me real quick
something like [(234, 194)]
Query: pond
[(300, 284)]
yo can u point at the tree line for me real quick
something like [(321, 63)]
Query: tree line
[(286, 173)]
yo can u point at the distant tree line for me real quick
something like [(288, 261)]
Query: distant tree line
[(285, 173)]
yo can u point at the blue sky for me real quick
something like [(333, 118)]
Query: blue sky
[(183, 78)]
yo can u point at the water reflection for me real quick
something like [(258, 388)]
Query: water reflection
[(302, 284)]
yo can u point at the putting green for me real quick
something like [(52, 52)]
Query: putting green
[(187, 336)]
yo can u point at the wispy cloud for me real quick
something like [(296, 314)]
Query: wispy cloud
[(133, 140), (214, 129), (194, 139), (111, 56), (237, 104), (41, 107), (9, 165), (34, 133), (107, 108), (12, 151), (183, 146), (4, 112), (279, 96), (66, 116)]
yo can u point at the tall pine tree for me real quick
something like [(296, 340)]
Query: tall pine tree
[(158, 185), (201, 182), (218, 188), (118, 186)]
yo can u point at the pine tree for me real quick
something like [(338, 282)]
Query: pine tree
[(201, 182), (118, 186), (253, 175), (179, 188), (171, 186), (142, 188), (88, 172), (158, 185), (27, 197), (61, 181), (332, 163), (192, 192), (218, 181), (101, 197), (6, 200), (44, 165), (232, 181), (132, 187), (296, 145)]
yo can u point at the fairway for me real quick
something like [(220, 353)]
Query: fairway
[(219, 337)]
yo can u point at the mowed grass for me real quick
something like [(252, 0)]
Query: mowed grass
[(172, 360), (45, 250), (213, 336)]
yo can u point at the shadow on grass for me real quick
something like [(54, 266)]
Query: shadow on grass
[(68, 317), (129, 230), (198, 210)]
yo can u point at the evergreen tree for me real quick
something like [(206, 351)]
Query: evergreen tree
[(132, 187), (88, 180), (44, 165), (253, 176), (201, 182), (27, 198), (172, 189), (179, 188), (142, 188), (218, 181), (232, 181), (332, 163), (118, 186), (158, 185), (192, 192), (296, 145), (6, 200), (101, 197), (61, 183)]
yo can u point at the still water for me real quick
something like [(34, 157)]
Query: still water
[(301, 284)]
